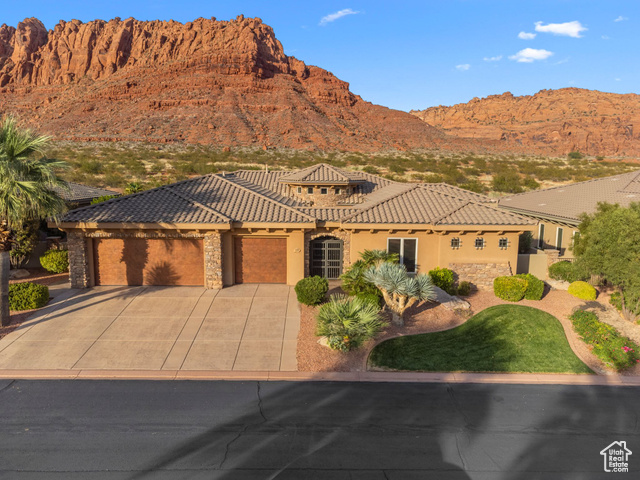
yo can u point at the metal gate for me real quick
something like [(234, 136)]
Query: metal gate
[(326, 257)]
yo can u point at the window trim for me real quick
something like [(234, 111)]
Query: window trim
[(475, 243), (506, 239), (309, 190), (402, 239), (559, 235), (324, 191), (299, 190), (459, 243), (541, 236)]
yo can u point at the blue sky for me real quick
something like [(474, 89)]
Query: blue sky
[(416, 54)]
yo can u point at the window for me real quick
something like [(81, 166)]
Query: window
[(407, 249), (541, 236), (455, 243), (310, 190), (299, 189), (338, 191), (324, 191), (503, 243), (479, 243), (559, 233)]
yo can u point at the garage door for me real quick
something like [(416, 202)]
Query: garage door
[(260, 260), (141, 261)]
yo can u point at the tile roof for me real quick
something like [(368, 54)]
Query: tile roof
[(82, 193), (568, 202), (322, 173), (260, 197)]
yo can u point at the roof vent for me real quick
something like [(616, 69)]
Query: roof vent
[(541, 204)]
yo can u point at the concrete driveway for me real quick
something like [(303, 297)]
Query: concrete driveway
[(244, 327)]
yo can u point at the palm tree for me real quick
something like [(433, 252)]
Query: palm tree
[(27, 191), (400, 290), (347, 322)]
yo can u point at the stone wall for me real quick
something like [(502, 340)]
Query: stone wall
[(78, 260), (79, 271), (340, 234), (213, 260), (317, 199), (480, 275)]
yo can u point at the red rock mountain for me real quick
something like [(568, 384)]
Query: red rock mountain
[(207, 81), (551, 121)]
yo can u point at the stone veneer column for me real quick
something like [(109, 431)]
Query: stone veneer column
[(213, 260), (78, 262)]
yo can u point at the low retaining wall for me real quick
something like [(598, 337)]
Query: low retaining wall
[(480, 274)]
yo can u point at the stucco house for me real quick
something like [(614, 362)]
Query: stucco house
[(278, 227), (558, 209)]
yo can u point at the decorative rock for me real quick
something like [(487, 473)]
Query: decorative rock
[(450, 302), (324, 341), (18, 274), (480, 275)]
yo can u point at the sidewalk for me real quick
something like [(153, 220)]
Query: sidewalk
[(510, 378)]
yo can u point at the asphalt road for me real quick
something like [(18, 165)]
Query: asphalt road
[(288, 430)]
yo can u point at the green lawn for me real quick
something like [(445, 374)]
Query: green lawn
[(504, 338)]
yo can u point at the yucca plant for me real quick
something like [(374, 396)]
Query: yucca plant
[(400, 290), (28, 183), (353, 281), (348, 322)]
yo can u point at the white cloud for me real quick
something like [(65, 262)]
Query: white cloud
[(464, 67), (526, 36), (621, 19), (497, 58), (560, 62), (605, 37), (618, 79), (332, 17), (567, 29), (529, 55)]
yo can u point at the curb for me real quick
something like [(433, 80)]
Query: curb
[(419, 377)]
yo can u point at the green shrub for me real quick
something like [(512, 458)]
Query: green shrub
[(442, 278), (582, 290), (55, 261), (27, 296), (464, 288), (348, 322), (524, 242), (616, 300), (575, 155), (103, 198), (312, 290), (608, 345), (564, 271), (535, 286), (374, 298), (510, 288)]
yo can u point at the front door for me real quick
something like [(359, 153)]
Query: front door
[(326, 257)]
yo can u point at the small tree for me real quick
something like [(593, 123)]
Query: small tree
[(353, 280), (400, 290), (25, 239)]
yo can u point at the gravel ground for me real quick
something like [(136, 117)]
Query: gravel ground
[(430, 317)]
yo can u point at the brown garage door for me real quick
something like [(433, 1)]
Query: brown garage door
[(141, 261), (260, 260)]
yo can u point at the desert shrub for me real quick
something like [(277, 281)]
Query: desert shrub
[(608, 345), (508, 182), (564, 270), (582, 290), (575, 155), (353, 280), (103, 198), (524, 242), (511, 288), (55, 261), (348, 322), (374, 298), (535, 286), (312, 290), (27, 296), (464, 288), (25, 239), (371, 169), (442, 278)]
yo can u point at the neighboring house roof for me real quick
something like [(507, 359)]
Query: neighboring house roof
[(568, 202), (260, 197), (322, 174), (78, 193)]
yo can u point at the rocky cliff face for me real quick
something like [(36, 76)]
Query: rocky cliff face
[(219, 82), (550, 122)]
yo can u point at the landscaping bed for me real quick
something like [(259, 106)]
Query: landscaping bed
[(503, 338), (41, 276)]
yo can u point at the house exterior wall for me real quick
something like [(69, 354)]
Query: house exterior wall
[(551, 235)]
